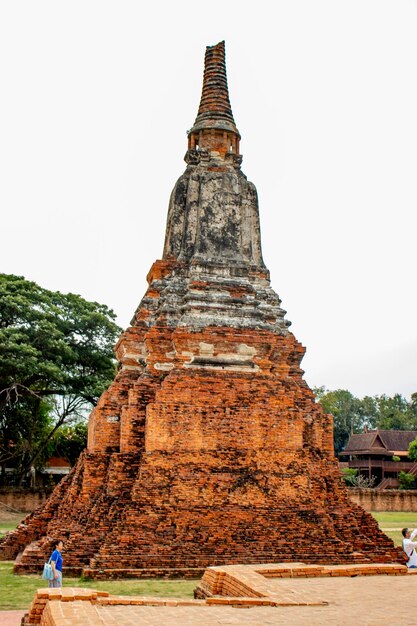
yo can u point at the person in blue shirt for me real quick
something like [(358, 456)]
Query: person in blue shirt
[(56, 562)]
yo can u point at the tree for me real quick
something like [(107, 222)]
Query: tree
[(56, 358), (406, 481), (23, 424), (348, 475), (412, 450), (396, 413), (70, 441), (346, 411)]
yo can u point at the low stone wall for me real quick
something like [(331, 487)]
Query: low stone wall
[(387, 500), (27, 500), (22, 499)]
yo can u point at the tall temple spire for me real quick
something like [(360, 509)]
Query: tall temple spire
[(214, 127)]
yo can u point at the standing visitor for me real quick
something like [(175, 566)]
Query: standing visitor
[(56, 562), (409, 546)]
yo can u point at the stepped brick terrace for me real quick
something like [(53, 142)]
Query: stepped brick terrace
[(275, 594), (209, 447)]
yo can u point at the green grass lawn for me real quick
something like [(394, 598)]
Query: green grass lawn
[(10, 522), (16, 592), (391, 523), (5, 527), (393, 519)]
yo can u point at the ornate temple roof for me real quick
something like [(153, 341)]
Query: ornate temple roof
[(379, 442)]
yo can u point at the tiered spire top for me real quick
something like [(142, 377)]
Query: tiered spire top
[(215, 111)]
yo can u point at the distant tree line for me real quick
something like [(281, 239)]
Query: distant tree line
[(353, 415)]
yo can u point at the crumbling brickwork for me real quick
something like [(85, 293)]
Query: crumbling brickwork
[(208, 448)]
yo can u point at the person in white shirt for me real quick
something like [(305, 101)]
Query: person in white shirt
[(409, 546)]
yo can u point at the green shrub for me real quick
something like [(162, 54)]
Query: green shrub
[(412, 450), (353, 478), (364, 482), (348, 475), (406, 480)]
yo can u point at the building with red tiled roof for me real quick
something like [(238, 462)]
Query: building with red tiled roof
[(372, 453)]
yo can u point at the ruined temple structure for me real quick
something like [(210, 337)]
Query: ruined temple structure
[(208, 448)]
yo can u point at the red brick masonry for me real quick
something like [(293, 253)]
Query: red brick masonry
[(204, 469)]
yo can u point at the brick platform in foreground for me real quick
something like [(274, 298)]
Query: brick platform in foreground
[(260, 594)]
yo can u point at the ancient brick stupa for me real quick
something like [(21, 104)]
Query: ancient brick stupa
[(208, 448)]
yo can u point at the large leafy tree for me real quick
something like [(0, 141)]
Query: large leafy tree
[(396, 412), (346, 411), (56, 358)]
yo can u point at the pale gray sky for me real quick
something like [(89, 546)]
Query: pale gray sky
[(96, 98)]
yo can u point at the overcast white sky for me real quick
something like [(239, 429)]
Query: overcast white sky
[(96, 98)]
